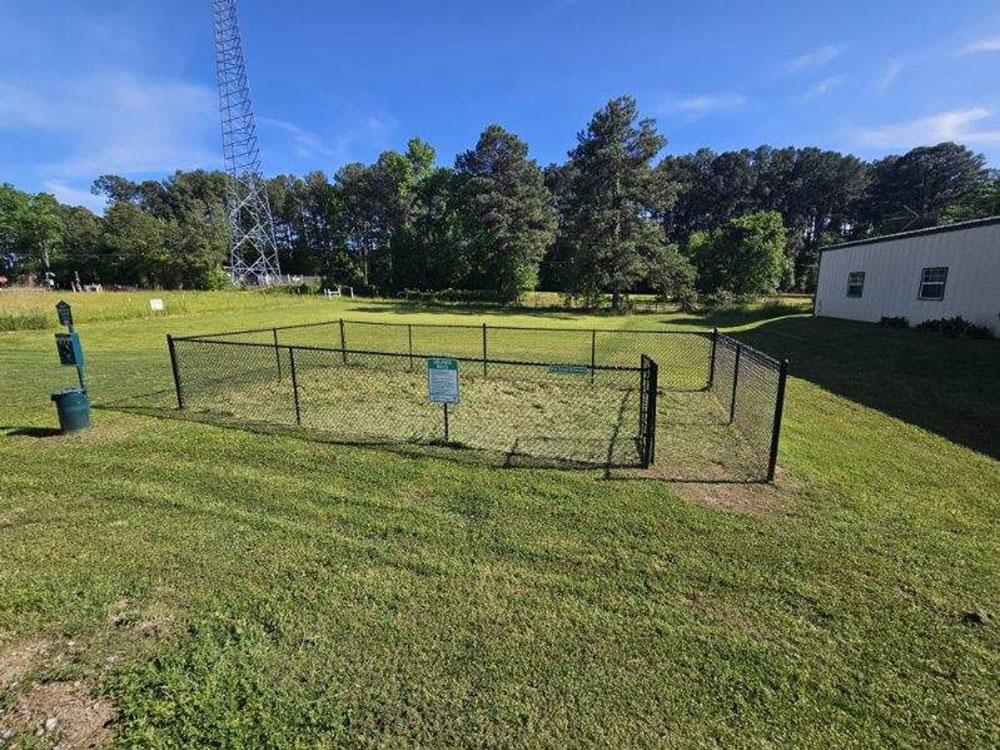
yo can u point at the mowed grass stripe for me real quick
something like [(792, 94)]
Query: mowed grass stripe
[(330, 594)]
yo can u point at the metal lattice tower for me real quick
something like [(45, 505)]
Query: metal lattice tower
[(253, 253)]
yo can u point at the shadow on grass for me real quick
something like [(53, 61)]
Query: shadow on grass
[(738, 316), (946, 386), (451, 451), (32, 432), (549, 313), (669, 469)]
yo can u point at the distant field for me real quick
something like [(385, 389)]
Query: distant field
[(25, 309), (165, 582), (28, 309)]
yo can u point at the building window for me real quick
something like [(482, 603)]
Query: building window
[(932, 282), (855, 283)]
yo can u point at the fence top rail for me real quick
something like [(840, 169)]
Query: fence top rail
[(405, 355), (766, 359), (240, 332), (468, 326)]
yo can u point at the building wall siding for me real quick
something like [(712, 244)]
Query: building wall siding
[(892, 278)]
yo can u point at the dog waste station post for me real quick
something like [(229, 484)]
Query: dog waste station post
[(442, 384), (73, 403)]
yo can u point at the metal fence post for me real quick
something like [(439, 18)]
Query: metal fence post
[(736, 380), (484, 350), (409, 335), (593, 354), (779, 407), (711, 366), (654, 371), (277, 353), (643, 395), (173, 367), (295, 385), (343, 344)]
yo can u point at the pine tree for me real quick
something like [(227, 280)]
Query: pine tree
[(609, 214), (508, 216)]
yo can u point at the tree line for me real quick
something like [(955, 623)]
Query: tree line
[(615, 218)]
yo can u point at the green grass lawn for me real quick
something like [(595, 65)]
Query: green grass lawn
[(165, 582)]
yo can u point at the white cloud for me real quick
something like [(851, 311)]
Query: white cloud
[(987, 44), (306, 143), (824, 87), (117, 123), (356, 137), (21, 108), (72, 196), (113, 122), (945, 126), (703, 104), (895, 67), (817, 58)]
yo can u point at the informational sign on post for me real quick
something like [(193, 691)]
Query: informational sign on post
[(69, 350), (68, 344), (442, 380)]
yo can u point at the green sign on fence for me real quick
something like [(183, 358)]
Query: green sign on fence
[(442, 380), (569, 369)]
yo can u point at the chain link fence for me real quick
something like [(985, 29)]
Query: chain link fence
[(570, 395), (688, 352), (750, 387), (525, 410)]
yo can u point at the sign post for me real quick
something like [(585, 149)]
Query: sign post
[(442, 384), (68, 344), (72, 404)]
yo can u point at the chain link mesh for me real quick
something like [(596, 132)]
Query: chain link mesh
[(746, 385), (564, 394), (683, 356), (520, 409)]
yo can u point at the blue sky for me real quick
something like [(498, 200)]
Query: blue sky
[(123, 86)]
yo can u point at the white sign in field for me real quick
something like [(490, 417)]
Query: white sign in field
[(442, 380), (156, 305)]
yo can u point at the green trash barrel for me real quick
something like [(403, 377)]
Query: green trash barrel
[(74, 409)]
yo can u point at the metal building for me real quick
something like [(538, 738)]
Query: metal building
[(921, 275)]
